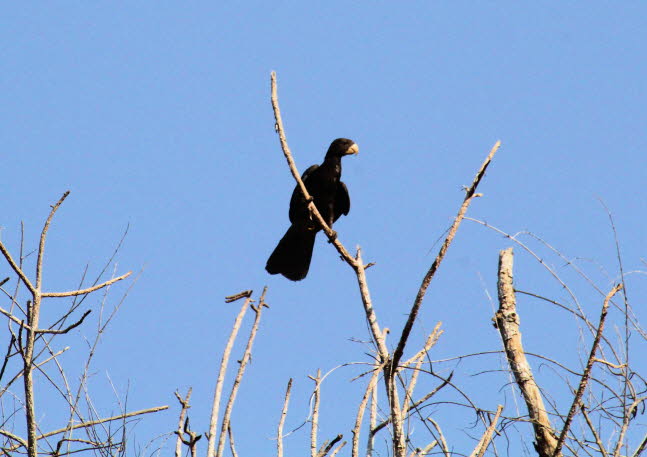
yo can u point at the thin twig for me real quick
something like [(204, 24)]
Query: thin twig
[(339, 448), (441, 438), (284, 413), (16, 268), (213, 424), (362, 407), (483, 444), (239, 375), (315, 414), (598, 440), (469, 195), (73, 293), (419, 359), (232, 445), (66, 329), (587, 371)]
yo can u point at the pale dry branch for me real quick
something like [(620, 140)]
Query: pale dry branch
[(284, 413), (587, 371), (628, 413), (213, 424), (193, 439), (595, 433), (372, 384), (485, 440), (16, 268), (640, 448), (73, 293), (239, 375), (425, 450), (469, 195), (339, 448), (315, 414), (232, 445), (41, 244), (372, 422), (377, 428), (13, 437), (441, 438), (184, 402), (13, 318), (419, 359), (97, 422), (507, 321)]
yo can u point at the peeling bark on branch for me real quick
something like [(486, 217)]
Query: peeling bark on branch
[(507, 321)]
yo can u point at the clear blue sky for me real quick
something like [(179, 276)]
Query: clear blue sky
[(157, 116)]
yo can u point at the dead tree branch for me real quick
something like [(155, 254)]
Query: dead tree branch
[(469, 195), (184, 402), (587, 371), (284, 413), (507, 321), (213, 424), (483, 444), (239, 375)]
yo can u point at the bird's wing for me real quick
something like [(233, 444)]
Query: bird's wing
[(342, 200), (297, 207)]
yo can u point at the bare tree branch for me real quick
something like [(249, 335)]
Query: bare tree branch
[(184, 402), (213, 424), (326, 447), (315, 414), (483, 444), (73, 293), (362, 407), (16, 268), (469, 195), (68, 328), (587, 371), (241, 370), (284, 413), (507, 320)]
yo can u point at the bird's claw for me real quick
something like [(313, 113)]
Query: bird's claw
[(332, 237)]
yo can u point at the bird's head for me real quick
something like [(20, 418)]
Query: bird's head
[(342, 147)]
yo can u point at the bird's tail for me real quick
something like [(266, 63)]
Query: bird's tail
[(292, 255)]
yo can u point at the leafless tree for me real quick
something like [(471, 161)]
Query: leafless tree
[(32, 356)]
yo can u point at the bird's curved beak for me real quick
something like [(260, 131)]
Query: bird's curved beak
[(354, 149)]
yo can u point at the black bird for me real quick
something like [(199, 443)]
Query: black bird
[(292, 255)]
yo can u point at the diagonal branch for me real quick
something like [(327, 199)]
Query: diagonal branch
[(483, 444), (239, 375), (16, 268), (284, 413), (73, 293), (66, 329), (469, 195), (213, 424), (587, 371), (507, 322)]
